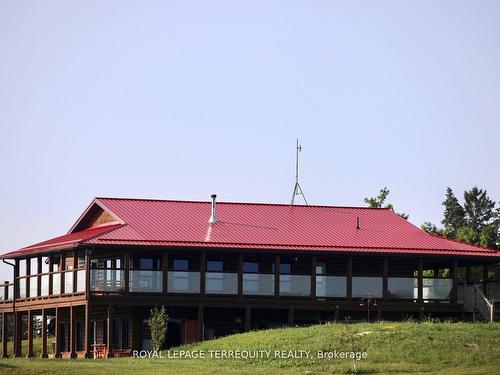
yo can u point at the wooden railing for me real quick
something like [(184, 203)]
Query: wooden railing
[(475, 301)]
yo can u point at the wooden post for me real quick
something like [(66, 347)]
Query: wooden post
[(313, 277), (87, 274), (468, 278), (164, 262), (248, 318), (30, 334), (454, 275), (88, 344), (4, 334), (420, 280), (385, 281), (109, 329), (200, 323), (62, 278), (126, 266), (203, 268), (51, 269), (57, 353), (277, 276), (290, 316), (485, 280), (349, 278), (28, 278), (16, 280), (72, 332), (240, 275), (39, 278), (44, 334), (18, 332), (75, 266)]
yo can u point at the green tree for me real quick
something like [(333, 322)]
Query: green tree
[(466, 234), (479, 209), (431, 228), (379, 202), (157, 323), (454, 215)]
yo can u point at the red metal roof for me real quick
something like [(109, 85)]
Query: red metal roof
[(268, 226), (62, 242)]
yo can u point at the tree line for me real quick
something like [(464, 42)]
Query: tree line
[(475, 221)]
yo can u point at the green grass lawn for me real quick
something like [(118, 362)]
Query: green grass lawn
[(392, 348)]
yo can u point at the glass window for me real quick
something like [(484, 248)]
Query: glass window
[(45, 264), (215, 266), (81, 260), (33, 291), (69, 261), (56, 263), (22, 288), (22, 267), (181, 265), (33, 266), (250, 267), (146, 263), (285, 268), (320, 268)]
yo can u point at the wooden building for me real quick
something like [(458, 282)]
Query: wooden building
[(230, 267)]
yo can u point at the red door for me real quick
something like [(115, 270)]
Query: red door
[(189, 332)]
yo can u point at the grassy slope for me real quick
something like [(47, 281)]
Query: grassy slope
[(437, 348)]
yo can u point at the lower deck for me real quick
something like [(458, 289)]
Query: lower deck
[(102, 330)]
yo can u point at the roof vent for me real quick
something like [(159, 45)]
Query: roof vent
[(357, 222), (213, 216)]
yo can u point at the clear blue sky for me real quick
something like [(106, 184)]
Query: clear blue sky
[(180, 99)]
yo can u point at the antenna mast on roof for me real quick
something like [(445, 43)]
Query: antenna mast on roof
[(297, 190)]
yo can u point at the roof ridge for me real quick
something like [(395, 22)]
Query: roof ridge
[(241, 203)]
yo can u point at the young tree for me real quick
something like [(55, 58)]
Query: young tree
[(352, 341), (454, 215), (157, 323), (379, 201)]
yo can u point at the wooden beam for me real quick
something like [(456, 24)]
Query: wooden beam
[(485, 280), (57, 353), (126, 266), (313, 277), (87, 274), (454, 275), (277, 276), (201, 320), (4, 334), (44, 334), (39, 278), (203, 268), (248, 318), (51, 269), (28, 279), (240, 275), (18, 331), (420, 280), (72, 332), (164, 263), (349, 278), (30, 334), (88, 344), (75, 266), (109, 329), (385, 280)]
